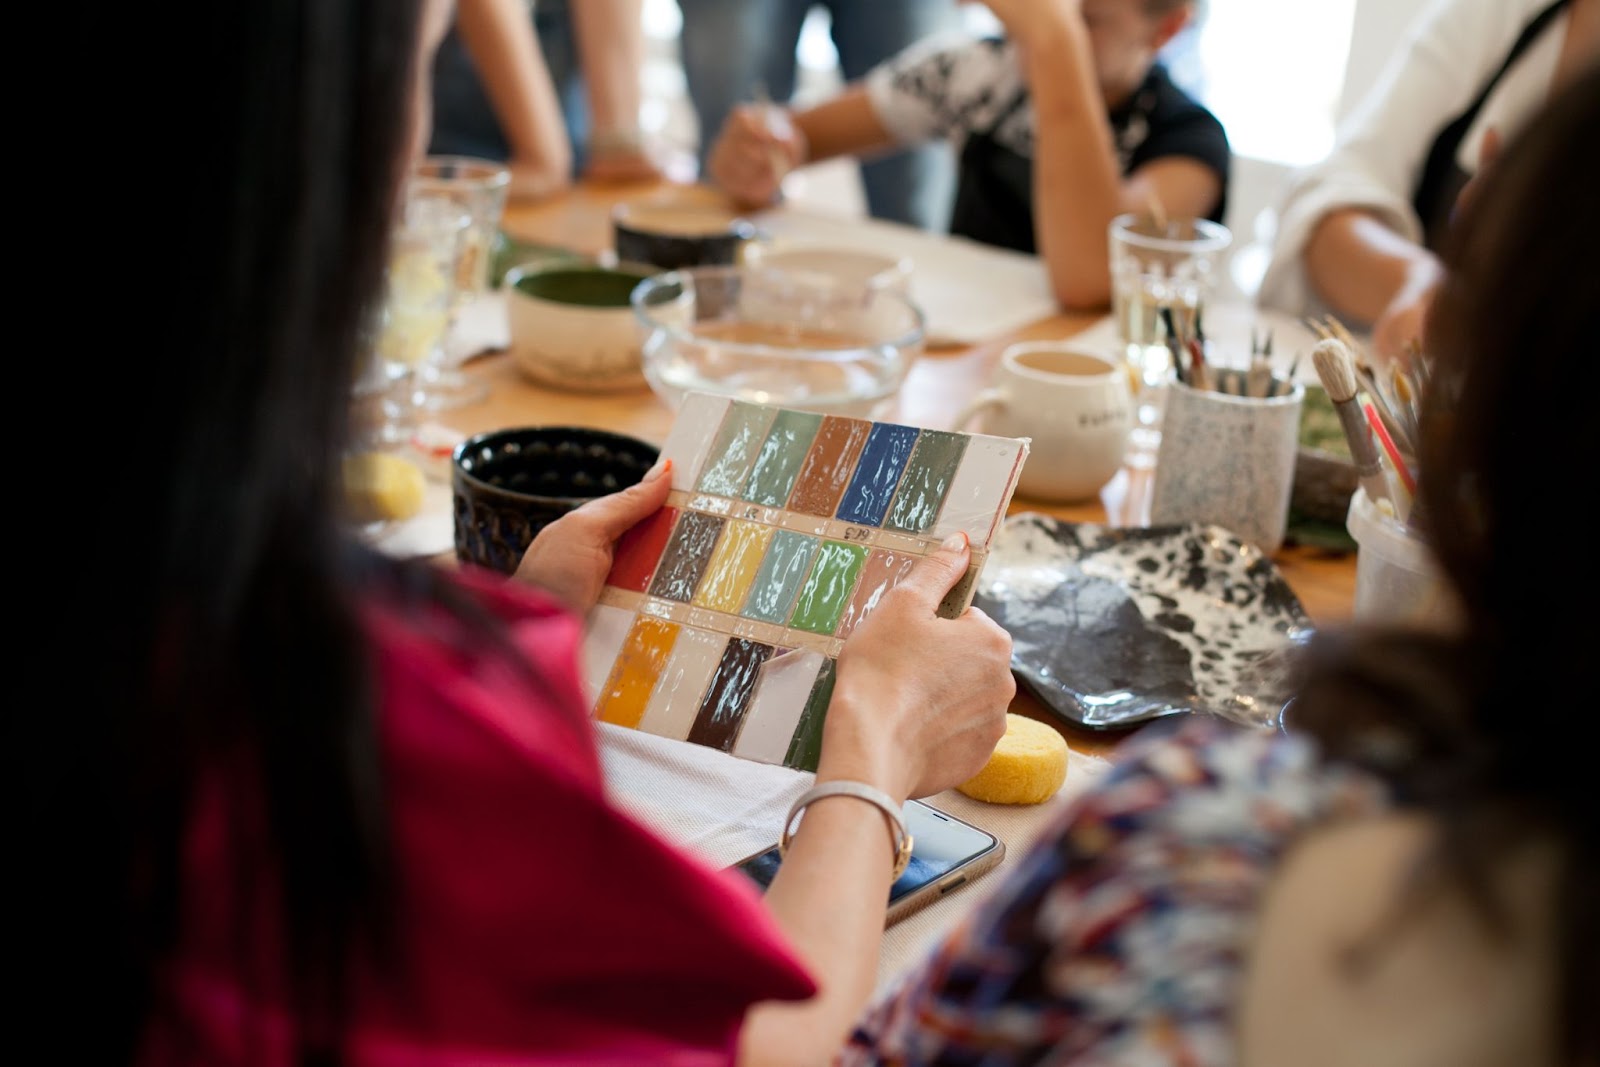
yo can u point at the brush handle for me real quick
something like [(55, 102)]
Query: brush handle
[(1363, 450)]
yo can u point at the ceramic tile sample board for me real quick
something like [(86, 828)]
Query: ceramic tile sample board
[(723, 612)]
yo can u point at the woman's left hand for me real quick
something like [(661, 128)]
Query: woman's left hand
[(571, 557)]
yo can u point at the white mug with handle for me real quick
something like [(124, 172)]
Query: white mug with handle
[(1073, 402)]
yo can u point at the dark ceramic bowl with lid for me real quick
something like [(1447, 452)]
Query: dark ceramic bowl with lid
[(509, 484)]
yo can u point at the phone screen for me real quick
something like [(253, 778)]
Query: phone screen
[(939, 844)]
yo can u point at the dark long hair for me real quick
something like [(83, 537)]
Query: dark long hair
[(212, 609), (1476, 727)]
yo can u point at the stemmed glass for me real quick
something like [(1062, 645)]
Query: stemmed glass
[(479, 187), (419, 303)]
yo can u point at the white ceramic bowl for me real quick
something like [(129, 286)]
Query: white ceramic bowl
[(572, 327), (847, 266)]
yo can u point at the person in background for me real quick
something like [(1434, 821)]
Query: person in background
[(1358, 233), (733, 50), (554, 91), (316, 805), (1405, 874), (1065, 123)]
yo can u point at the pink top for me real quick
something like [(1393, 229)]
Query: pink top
[(537, 922)]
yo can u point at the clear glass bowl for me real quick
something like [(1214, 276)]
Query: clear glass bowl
[(772, 336)]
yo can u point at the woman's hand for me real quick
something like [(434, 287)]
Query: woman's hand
[(571, 557), (756, 147), (920, 700)]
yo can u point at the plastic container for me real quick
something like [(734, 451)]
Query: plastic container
[(1396, 577)]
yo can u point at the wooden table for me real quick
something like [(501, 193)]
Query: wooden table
[(938, 386)]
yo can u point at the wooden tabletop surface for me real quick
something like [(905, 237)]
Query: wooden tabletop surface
[(939, 384)]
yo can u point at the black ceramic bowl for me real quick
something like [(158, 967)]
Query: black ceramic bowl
[(509, 484)]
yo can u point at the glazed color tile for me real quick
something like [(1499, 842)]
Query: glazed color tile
[(723, 710), (733, 454), (676, 700), (644, 653), (722, 614), (603, 633), (806, 747), (782, 572), (881, 572), (827, 590), (686, 556), (983, 484), (639, 550), (829, 466), (877, 474), (782, 453), (928, 474), (693, 431), (783, 688), (733, 566)]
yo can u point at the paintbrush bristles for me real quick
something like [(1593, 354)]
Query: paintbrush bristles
[(1335, 368)]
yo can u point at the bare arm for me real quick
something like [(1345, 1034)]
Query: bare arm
[(919, 705), (611, 52), (1078, 187), (1367, 273), (499, 36), (753, 150)]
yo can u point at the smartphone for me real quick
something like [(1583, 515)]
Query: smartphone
[(946, 853)]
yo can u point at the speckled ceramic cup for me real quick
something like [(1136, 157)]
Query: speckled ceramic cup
[(1228, 460)]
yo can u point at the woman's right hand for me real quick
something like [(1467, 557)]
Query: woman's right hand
[(756, 147), (920, 700)]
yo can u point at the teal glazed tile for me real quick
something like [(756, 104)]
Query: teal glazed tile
[(928, 474), (734, 453), (782, 572), (778, 462)]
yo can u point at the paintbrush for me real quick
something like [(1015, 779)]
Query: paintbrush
[(1336, 369), (1371, 383), (1176, 348), (1258, 379), (1158, 214)]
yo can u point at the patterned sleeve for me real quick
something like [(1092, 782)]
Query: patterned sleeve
[(1120, 936), (944, 88)]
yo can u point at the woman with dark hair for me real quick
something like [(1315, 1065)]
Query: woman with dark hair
[(1410, 873), (330, 807)]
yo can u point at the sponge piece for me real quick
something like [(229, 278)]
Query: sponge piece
[(1027, 766), (381, 485)]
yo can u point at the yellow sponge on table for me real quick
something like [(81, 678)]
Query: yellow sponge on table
[(1027, 766), (382, 485)]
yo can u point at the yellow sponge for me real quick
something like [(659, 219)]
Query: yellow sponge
[(382, 485), (1027, 766)]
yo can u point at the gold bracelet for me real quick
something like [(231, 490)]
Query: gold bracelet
[(861, 791)]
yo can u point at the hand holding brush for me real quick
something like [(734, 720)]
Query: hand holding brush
[(1336, 369)]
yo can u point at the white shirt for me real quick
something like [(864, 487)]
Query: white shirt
[(1449, 54)]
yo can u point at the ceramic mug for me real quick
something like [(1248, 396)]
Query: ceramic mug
[(1075, 405)]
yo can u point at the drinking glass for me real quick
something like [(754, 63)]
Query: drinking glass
[(479, 187), (419, 301), (1157, 270)]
